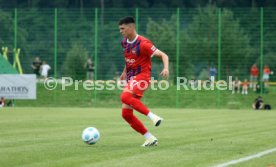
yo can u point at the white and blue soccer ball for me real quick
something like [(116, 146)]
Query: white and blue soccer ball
[(90, 135)]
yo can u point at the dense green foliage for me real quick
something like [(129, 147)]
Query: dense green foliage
[(73, 65), (200, 41), (136, 3), (240, 38)]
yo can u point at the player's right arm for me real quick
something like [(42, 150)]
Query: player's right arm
[(151, 50), (165, 59), (123, 75)]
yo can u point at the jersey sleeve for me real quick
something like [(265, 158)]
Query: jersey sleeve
[(148, 48)]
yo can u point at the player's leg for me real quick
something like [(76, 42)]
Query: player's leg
[(131, 97), (132, 94), (251, 82), (137, 125), (265, 79), (127, 97), (255, 80), (133, 121), (234, 89)]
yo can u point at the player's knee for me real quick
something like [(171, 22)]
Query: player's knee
[(127, 115), (126, 97)]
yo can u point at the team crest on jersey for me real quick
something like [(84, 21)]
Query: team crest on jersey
[(133, 51)]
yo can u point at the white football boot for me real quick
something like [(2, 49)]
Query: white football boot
[(157, 120), (152, 141)]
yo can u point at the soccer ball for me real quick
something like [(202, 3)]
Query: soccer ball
[(90, 135)]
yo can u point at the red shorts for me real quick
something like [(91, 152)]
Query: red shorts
[(138, 84)]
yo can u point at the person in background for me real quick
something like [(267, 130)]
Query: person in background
[(212, 72), (236, 85), (254, 72), (45, 69), (258, 103), (266, 73), (2, 102), (36, 66), (89, 66), (245, 87)]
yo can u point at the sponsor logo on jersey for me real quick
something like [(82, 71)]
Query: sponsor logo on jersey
[(131, 61)]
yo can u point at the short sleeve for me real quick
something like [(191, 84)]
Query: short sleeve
[(148, 48)]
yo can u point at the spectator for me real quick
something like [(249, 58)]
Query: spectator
[(89, 66), (245, 87), (254, 72), (2, 102), (266, 73), (258, 103), (236, 85), (36, 66), (213, 72), (45, 69)]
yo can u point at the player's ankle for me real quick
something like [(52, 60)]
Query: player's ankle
[(151, 115), (148, 135)]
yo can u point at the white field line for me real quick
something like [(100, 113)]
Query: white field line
[(246, 158)]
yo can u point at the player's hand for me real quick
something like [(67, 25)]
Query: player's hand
[(165, 73)]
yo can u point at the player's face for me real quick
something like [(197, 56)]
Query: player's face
[(125, 30)]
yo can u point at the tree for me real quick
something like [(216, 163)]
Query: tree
[(163, 34), (7, 34), (200, 41), (6, 38), (74, 62)]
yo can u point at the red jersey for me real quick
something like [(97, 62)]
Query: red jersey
[(245, 83), (137, 55), (266, 70), (254, 71)]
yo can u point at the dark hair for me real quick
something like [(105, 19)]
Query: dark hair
[(126, 20)]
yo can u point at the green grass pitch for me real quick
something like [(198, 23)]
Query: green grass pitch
[(51, 137)]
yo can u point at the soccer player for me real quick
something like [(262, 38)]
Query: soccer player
[(138, 52)]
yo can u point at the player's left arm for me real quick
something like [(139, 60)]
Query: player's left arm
[(165, 59)]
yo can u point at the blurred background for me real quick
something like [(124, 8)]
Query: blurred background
[(203, 38)]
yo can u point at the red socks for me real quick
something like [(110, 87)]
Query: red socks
[(133, 121), (129, 99)]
